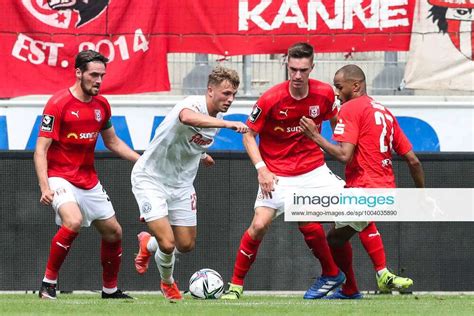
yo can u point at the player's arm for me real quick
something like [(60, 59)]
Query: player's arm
[(341, 151), (41, 167), (191, 118), (118, 146), (207, 160), (266, 178), (333, 122), (416, 169)]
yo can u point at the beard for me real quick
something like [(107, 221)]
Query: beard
[(90, 91)]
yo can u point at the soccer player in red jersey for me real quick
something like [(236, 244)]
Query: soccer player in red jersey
[(64, 161), (286, 159), (367, 133)]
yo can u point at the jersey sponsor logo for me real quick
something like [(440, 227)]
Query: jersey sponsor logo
[(200, 140), (314, 111), (339, 129), (47, 123), (98, 115), (72, 135), (292, 129), (279, 128), (256, 111), (90, 136)]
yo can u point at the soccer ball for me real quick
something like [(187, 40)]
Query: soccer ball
[(206, 284)]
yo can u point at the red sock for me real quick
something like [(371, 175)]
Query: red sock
[(343, 258), (110, 257), (372, 242), (60, 245), (315, 238), (245, 257)]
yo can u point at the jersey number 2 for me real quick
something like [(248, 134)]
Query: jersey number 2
[(380, 119)]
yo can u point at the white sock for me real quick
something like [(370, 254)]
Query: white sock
[(165, 263), (109, 291), (152, 245), (380, 272), (45, 279)]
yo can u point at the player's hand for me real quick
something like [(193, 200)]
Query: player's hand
[(267, 181), (208, 161), (239, 127), (47, 197), (308, 127)]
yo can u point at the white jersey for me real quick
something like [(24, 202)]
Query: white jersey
[(173, 156)]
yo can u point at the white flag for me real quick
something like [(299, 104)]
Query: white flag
[(441, 47)]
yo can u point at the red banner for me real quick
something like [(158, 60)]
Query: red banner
[(40, 38), (266, 26)]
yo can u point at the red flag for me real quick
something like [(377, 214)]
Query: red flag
[(261, 26), (40, 38)]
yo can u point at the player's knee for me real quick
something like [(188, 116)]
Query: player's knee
[(186, 247), (73, 224), (166, 246), (115, 234), (258, 229)]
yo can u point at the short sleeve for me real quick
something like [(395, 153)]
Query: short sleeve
[(108, 115), (257, 117), (347, 127), (51, 121)]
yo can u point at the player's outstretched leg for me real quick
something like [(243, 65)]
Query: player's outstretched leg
[(234, 293), (387, 281), (323, 285), (143, 257)]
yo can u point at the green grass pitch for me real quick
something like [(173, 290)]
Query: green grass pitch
[(155, 304)]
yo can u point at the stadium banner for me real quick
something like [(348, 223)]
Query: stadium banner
[(266, 26), (40, 38), (383, 205), (442, 46), (432, 124)]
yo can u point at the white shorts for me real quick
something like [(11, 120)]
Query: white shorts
[(321, 177), (156, 201), (94, 203)]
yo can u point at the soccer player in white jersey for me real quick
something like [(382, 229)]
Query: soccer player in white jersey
[(162, 179)]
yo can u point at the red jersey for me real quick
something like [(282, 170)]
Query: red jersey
[(375, 132), (276, 118), (74, 127)]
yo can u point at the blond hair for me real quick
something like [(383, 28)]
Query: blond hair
[(220, 74)]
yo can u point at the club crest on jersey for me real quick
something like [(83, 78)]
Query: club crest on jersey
[(314, 111), (256, 111), (98, 115), (47, 123)]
